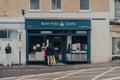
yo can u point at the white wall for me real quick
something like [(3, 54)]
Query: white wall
[(14, 24), (23, 60), (100, 39), (15, 50), (3, 44)]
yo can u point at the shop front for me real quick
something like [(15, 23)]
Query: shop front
[(70, 40), (115, 33)]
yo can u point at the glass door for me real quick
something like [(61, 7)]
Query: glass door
[(57, 47)]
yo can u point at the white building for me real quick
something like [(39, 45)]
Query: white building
[(69, 23), (12, 31)]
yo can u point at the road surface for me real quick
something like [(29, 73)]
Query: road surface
[(103, 73)]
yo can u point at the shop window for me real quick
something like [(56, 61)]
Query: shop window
[(3, 33), (84, 5), (8, 34), (115, 46), (77, 48), (36, 48), (117, 9), (56, 4), (34, 5)]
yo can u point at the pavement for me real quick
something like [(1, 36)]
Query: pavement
[(63, 66), (21, 70)]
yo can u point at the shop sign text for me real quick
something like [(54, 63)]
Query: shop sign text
[(58, 23)]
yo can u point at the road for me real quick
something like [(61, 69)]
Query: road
[(103, 73)]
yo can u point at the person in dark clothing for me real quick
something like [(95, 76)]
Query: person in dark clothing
[(8, 54), (49, 52), (8, 49)]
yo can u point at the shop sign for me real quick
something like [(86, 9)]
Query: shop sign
[(54, 23), (57, 24)]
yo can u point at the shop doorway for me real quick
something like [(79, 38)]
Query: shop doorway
[(57, 44)]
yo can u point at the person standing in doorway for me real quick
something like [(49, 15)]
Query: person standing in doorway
[(49, 52), (8, 54)]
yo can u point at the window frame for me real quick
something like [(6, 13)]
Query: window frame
[(7, 35), (89, 10), (35, 10), (57, 10)]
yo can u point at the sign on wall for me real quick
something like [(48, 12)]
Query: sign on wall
[(20, 44), (57, 24)]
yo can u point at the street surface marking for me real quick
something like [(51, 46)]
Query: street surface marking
[(113, 74), (104, 73), (28, 76), (71, 71), (98, 68), (69, 74), (112, 78), (82, 76), (8, 78)]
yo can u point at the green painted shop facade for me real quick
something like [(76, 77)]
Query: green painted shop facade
[(70, 40)]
